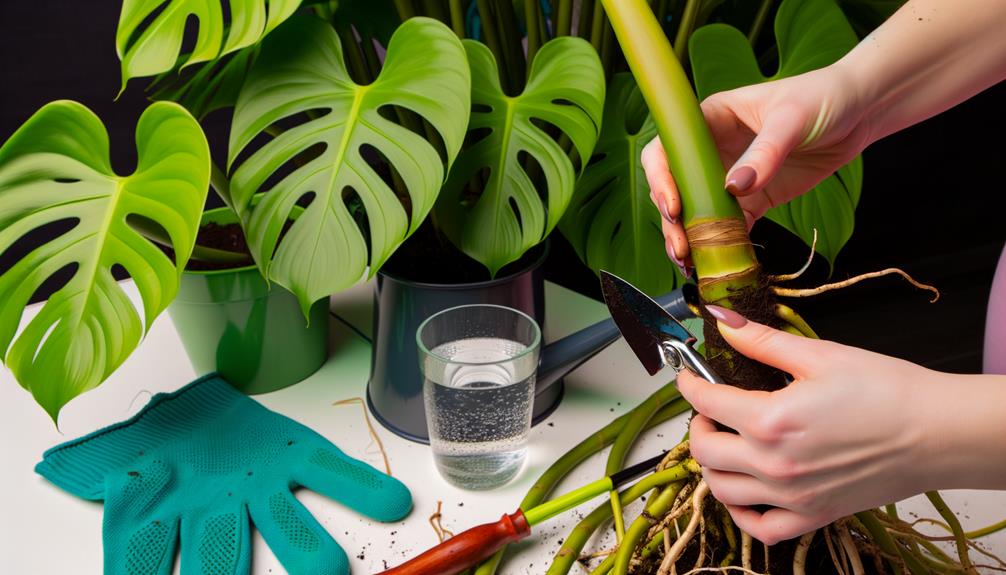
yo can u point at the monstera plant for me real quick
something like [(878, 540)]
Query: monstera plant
[(356, 115), (305, 136)]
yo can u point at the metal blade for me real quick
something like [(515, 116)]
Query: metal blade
[(642, 322)]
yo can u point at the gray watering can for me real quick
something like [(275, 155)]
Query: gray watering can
[(395, 389)]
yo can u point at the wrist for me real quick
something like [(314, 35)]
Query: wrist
[(964, 426)]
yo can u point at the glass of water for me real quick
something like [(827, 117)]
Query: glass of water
[(479, 363)]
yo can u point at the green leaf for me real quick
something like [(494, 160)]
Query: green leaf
[(206, 87), (610, 221), (149, 37), (811, 34), (56, 168), (301, 70), (505, 217)]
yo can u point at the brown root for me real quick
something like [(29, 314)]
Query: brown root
[(370, 428), (791, 292), (436, 523)]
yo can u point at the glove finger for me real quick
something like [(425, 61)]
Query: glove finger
[(354, 483), (139, 532), (300, 543), (144, 549), (217, 543)]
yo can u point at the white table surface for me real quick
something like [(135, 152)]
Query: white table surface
[(44, 530)]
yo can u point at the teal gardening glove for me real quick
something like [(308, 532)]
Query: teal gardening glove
[(196, 464)]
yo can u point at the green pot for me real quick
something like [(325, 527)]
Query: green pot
[(231, 322)]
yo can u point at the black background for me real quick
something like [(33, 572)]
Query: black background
[(933, 199)]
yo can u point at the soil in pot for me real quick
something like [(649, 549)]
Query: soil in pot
[(429, 257)]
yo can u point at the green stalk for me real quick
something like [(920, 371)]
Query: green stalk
[(887, 544), (685, 29), (597, 26), (654, 508), (435, 9), (586, 14), (578, 537), (357, 68), (457, 18), (693, 158), (491, 37), (577, 455), (564, 18), (405, 9), (220, 183), (641, 415), (960, 539), (534, 38), (759, 21)]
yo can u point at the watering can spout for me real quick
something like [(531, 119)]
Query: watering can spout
[(564, 355)]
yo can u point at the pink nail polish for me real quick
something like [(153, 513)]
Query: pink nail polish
[(727, 317), (741, 179), (662, 206)]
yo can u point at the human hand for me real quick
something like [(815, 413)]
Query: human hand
[(779, 139), (850, 432)]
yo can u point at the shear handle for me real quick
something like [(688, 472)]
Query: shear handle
[(680, 355)]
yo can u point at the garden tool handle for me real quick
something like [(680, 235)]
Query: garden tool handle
[(466, 549)]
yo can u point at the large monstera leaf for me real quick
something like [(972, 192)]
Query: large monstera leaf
[(301, 73), (56, 168), (150, 33), (611, 221), (810, 34), (508, 216)]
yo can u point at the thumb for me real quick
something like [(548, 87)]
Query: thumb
[(781, 132), (793, 354)]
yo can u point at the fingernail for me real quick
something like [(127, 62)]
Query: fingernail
[(741, 179), (727, 317), (662, 206), (682, 266)]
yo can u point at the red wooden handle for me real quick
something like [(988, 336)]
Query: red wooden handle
[(466, 549)]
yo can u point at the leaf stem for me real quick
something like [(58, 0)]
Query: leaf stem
[(534, 39), (220, 184), (457, 18), (759, 21), (564, 18), (685, 29)]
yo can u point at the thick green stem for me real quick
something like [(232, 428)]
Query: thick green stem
[(641, 415), (693, 158), (578, 537), (655, 507), (577, 455)]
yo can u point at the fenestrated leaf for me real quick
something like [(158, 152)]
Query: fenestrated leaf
[(611, 222), (507, 216), (206, 87), (811, 34), (150, 33), (56, 168), (301, 70)]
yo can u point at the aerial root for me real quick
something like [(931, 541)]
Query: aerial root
[(799, 272), (698, 498), (793, 292)]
